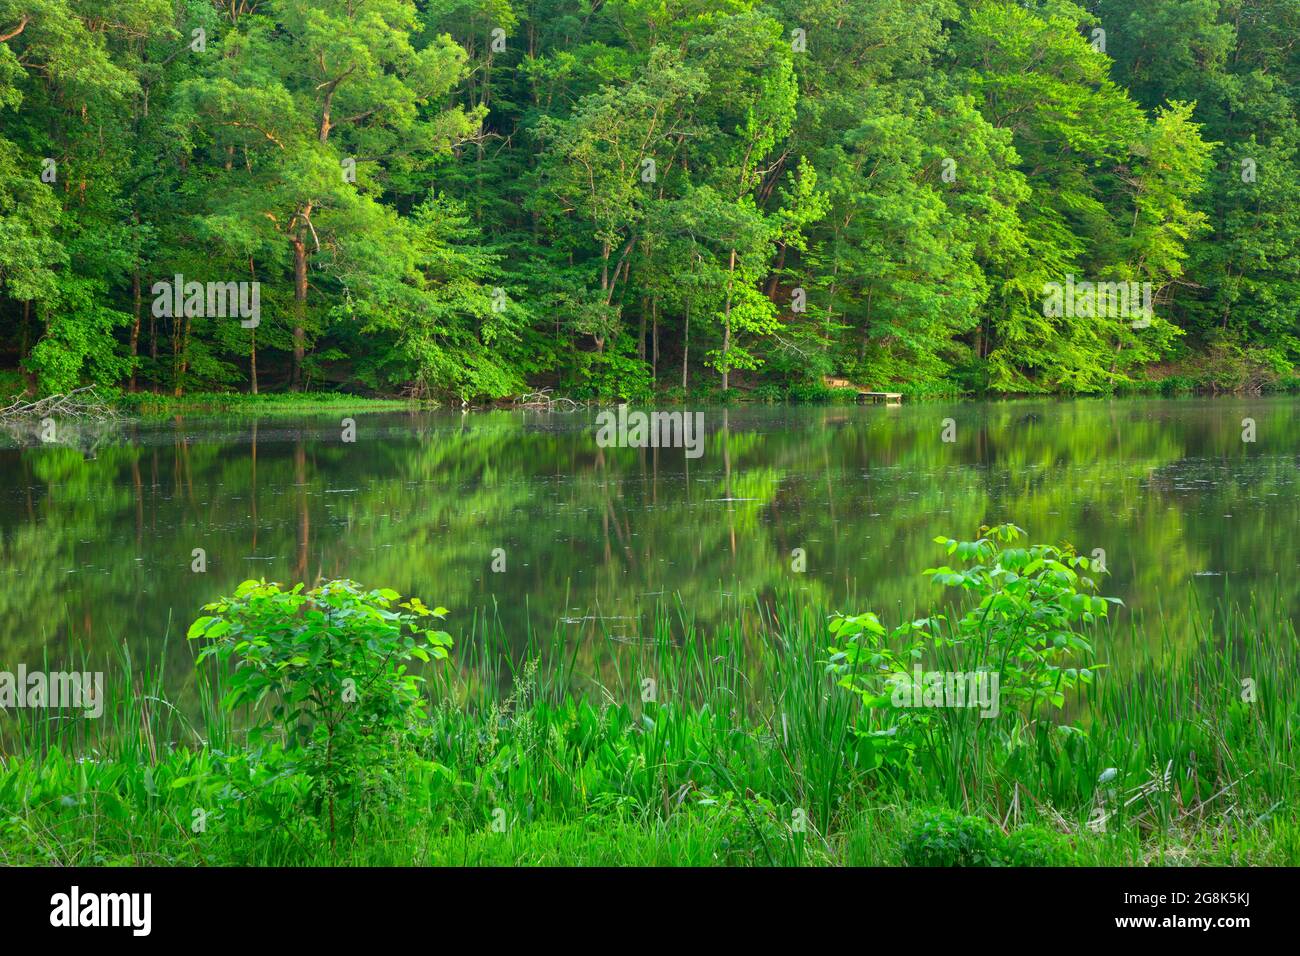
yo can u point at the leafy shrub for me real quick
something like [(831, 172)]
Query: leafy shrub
[(1177, 384), (1229, 367), (333, 664), (1035, 846), (612, 374), (947, 838), (1140, 386), (813, 393), (1023, 630)]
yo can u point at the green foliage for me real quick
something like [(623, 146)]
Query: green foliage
[(1228, 367), (708, 779), (78, 343), (748, 830), (1021, 639), (946, 838), (609, 374), (1028, 606), (814, 393), (1035, 846), (617, 202), (1031, 604), (333, 663)]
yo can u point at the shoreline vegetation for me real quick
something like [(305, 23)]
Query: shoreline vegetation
[(148, 405), (773, 740), (114, 404)]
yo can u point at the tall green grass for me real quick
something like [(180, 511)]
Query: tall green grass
[(154, 405), (727, 747)]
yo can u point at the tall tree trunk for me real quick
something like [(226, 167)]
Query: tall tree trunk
[(176, 354), (726, 325), (607, 291), (654, 340), (299, 310), (686, 343), (640, 335), (180, 348), (135, 326), (185, 351), (153, 343), (252, 349)]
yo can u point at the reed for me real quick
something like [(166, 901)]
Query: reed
[(731, 747)]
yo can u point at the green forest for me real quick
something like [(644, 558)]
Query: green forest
[(464, 200)]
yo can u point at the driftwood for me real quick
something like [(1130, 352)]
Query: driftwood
[(80, 404), (544, 400)]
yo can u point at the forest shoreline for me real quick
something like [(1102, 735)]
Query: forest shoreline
[(151, 405)]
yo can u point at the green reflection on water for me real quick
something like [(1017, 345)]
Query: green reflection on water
[(97, 543)]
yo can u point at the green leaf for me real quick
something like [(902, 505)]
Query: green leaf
[(198, 627)]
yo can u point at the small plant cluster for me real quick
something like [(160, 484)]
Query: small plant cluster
[(749, 829), (334, 665), (948, 838)]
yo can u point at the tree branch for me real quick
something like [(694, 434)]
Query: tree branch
[(22, 25)]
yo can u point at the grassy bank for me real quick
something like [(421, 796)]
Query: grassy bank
[(149, 405), (747, 759), (737, 747)]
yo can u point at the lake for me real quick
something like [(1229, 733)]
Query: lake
[(523, 513)]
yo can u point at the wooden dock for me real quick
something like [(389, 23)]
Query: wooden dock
[(889, 398)]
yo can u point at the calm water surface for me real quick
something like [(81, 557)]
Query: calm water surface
[(98, 536)]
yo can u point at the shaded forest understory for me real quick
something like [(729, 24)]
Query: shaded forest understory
[(468, 199)]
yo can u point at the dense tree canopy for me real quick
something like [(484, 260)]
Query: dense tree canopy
[(468, 198)]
